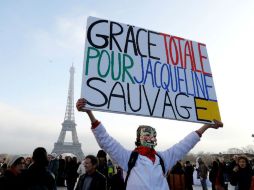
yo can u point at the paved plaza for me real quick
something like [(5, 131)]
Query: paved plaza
[(195, 187)]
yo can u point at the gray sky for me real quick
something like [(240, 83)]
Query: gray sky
[(39, 41)]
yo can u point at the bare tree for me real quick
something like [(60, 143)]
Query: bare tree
[(190, 157), (235, 151), (248, 149)]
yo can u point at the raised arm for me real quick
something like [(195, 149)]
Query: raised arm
[(115, 150), (81, 107)]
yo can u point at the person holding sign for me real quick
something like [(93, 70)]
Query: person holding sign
[(148, 170)]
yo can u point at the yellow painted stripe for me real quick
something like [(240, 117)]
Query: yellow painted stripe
[(207, 110)]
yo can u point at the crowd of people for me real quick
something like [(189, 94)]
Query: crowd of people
[(49, 171), (19, 173), (143, 168), (237, 171)]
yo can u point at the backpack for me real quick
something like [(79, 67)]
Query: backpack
[(132, 162)]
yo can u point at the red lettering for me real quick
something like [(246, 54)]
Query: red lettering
[(174, 62), (180, 49), (165, 43), (187, 53), (201, 57), (193, 56)]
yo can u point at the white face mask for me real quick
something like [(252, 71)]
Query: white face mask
[(147, 136)]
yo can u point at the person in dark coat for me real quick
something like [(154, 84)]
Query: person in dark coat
[(38, 176), (232, 164), (188, 171), (217, 175), (61, 174), (213, 173), (53, 164), (92, 179), (12, 178), (71, 174), (176, 177), (117, 181), (242, 174), (102, 165)]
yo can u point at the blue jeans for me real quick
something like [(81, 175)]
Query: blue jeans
[(203, 183)]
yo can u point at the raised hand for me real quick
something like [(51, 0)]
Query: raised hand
[(80, 105), (217, 124)]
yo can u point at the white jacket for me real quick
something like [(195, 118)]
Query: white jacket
[(145, 175)]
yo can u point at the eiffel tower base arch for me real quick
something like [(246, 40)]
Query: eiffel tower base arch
[(60, 148)]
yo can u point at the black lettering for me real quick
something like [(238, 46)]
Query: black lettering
[(129, 99), (117, 95), (130, 39), (89, 31), (137, 42), (112, 35), (167, 104), (88, 82), (184, 107), (151, 44), (147, 101)]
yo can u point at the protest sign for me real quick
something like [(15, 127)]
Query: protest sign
[(136, 71)]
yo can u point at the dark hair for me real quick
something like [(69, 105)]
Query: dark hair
[(242, 157), (93, 159), (40, 157), (17, 162), (101, 154), (215, 165)]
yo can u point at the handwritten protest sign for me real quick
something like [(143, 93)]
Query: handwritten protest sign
[(132, 70)]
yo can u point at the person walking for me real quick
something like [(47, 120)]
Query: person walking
[(203, 171), (188, 171)]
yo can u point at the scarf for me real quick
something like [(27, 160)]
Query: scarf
[(146, 151)]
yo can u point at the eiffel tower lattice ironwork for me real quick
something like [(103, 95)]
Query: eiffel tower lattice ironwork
[(69, 125)]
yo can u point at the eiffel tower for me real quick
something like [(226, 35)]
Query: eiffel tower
[(73, 147)]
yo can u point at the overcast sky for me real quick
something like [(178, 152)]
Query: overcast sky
[(39, 41)]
